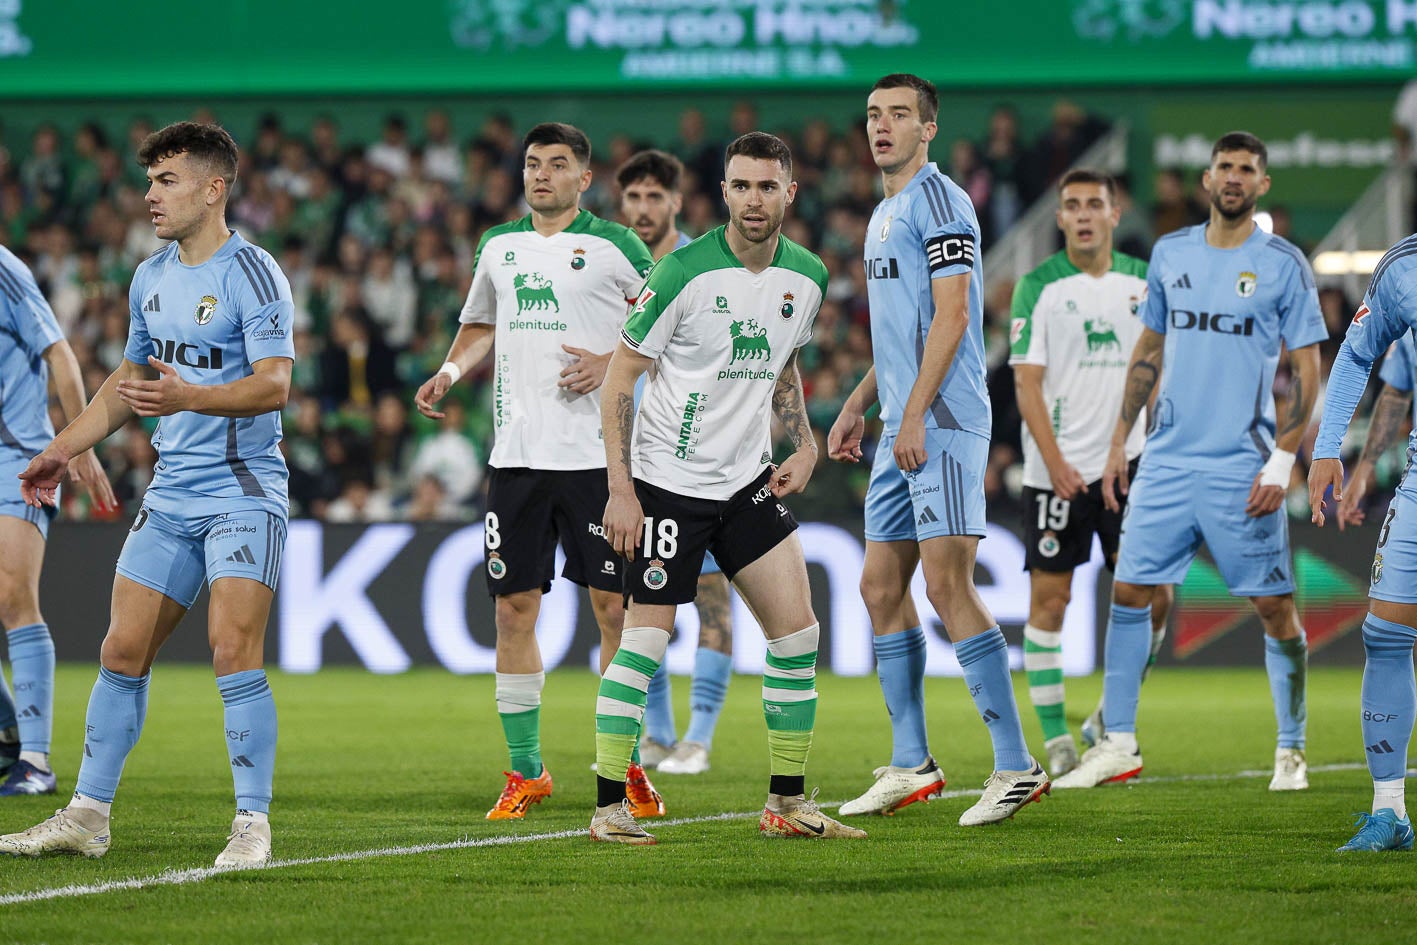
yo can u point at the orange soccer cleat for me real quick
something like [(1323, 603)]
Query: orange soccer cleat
[(644, 800), (519, 794)]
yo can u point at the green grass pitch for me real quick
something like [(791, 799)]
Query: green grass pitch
[(1198, 852)]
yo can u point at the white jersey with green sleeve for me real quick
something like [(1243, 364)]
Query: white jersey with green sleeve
[(542, 292), (1081, 329), (720, 336)]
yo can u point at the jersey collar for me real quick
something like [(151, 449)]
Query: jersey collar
[(720, 236)]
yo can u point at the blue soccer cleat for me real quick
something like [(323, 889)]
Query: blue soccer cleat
[(25, 778), (1381, 831)]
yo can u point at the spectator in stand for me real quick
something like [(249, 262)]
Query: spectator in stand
[(356, 366), (1003, 156), (441, 157), (1060, 146), (450, 456), (390, 153), (1174, 209)]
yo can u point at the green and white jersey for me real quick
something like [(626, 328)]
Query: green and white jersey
[(543, 292), (1082, 329), (720, 336)]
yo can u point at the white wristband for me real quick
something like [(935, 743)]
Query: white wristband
[(454, 372), (1277, 469)]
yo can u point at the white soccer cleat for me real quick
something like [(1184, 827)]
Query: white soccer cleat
[(896, 788), (249, 844), (688, 758), (1291, 771), (71, 830), (653, 753), (1062, 754), (799, 817), (1004, 793), (1104, 763), (617, 825)]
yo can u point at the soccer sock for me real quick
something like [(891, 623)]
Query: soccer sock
[(1390, 795), (620, 707), (985, 659), (1287, 663), (519, 705), (1124, 656), (32, 666), (790, 708), (1043, 662), (117, 707), (900, 666), (250, 736), (1389, 702), (1158, 637), (659, 708), (707, 693)]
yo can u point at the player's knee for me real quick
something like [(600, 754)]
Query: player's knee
[(19, 605), (1276, 613), (516, 613), (879, 597), (1132, 595), (122, 654), (1052, 605)]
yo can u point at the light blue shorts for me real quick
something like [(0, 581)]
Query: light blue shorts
[(174, 555), (11, 465), (943, 497), (1394, 574)]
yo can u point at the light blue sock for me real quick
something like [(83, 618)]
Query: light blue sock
[(250, 736), (32, 669), (1287, 663), (1389, 696), (900, 664), (985, 659), (1124, 655), (117, 708), (707, 693), (659, 708)]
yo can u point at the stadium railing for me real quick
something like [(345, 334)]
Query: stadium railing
[(1379, 218)]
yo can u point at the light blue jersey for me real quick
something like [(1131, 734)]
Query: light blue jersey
[(27, 329), (927, 231), (1224, 313), (212, 322), (1399, 370)]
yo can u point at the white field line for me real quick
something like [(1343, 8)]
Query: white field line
[(202, 874)]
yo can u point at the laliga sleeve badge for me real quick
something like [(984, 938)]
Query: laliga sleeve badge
[(496, 566), (655, 575)]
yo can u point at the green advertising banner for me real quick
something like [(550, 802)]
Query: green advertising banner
[(50, 48)]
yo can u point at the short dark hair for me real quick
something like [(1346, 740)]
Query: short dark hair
[(1089, 175), (558, 132), (926, 94), (762, 146), (1241, 141), (664, 169), (210, 144)]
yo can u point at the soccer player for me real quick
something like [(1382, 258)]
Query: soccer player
[(32, 349), (1399, 376), (1074, 320), (721, 321), (210, 352), (650, 200), (925, 500), (1388, 313), (1221, 297), (552, 290)]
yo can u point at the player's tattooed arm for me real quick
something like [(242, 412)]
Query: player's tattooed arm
[(789, 405), (1303, 391), (1389, 413), (1142, 375), (624, 409)]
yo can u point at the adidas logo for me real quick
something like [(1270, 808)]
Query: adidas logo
[(1275, 576), (241, 761), (242, 555), (1381, 748), (32, 712), (1182, 283), (152, 304), (927, 517), (989, 716)]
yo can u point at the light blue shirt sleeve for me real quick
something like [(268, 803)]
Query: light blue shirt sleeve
[(950, 239), (1153, 305), (35, 324), (267, 316), (1301, 322), (140, 344), (1397, 368)]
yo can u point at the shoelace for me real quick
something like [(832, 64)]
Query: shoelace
[(243, 840), (514, 784), (1370, 829), (623, 819)]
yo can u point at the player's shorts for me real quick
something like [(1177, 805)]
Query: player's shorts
[(175, 554), (11, 465), (943, 497), (1171, 511), (1394, 575), (529, 510), (679, 530), (1057, 533)]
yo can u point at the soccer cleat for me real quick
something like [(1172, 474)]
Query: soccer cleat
[(896, 788), (1378, 832), (688, 758), (616, 824), (1062, 754), (799, 816), (25, 778), (1004, 793), (1291, 771), (519, 794), (71, 830), (644, 800), (1104, 763), (249, 844), (652, 753), (1093, 729)]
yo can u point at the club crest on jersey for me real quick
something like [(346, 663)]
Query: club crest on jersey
[(496, 566), (577, 259), (655, 575), (786, 310), (1377, 567), (886, 228), (1049, 546), (206, 309), (1246, 284), (1134, 303)]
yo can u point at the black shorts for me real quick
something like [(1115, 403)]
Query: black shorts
[(1057, 533), (679, 529), (529, 510)]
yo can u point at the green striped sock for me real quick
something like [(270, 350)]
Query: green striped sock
[(620, 706), (1043, 661), (790, 700), (519, 706)]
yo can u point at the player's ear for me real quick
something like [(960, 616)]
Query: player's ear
[(1205, 178), (585, 180), (931, 129), (1264, 186), (791, 192), (676, 202), (216, 191)]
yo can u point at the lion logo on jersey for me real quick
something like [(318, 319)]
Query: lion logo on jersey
[(534, 293), (750, 343), (206, 308), (1100, 335)]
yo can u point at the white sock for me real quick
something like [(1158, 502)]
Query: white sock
[(40, 759), (89, 803), (1126, 741), (1390, 795), (255, 816)]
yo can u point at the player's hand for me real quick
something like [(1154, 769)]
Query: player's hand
[(1067, 481), (1350, 508), (909, 448), (844, 440), (85, 470), (1324, 473), (586, 373), (624, 522), (1263, 499), (433, 390), (1114, 479), (39, 483), (793, 474), (163, 397)]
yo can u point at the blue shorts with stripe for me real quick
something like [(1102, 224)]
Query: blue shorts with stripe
[(175, 554), (13, 463), (943, 497), (1394, 574)]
